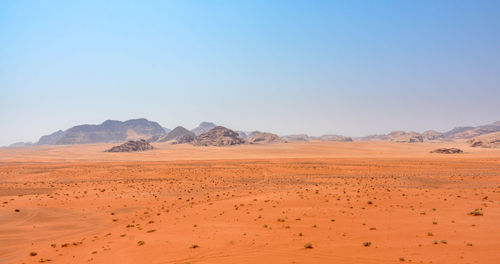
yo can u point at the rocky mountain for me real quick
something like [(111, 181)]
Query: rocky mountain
[(336, 138), (203, 127), (296, 138), (405, 137), (490, 140), (51, 139), (178, 135), (167, 130), (458, 133), (108, 131), (218, 136), (242, 134), (262, 138), (131, 146), (470, 132), (432, 135)]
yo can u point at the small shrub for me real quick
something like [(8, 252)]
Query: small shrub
[(140, 243), (308, 245), (367, 243), (476, 213)]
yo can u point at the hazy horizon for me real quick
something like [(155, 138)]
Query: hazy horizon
[(316, 67)]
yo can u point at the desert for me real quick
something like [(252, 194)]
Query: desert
[(250, 131), (300, 202)]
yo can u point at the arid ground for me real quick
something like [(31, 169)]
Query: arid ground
[(358, 202)]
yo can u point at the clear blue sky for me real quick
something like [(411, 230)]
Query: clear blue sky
[(317, 67)]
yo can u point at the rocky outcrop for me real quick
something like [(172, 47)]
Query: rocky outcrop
[(178, 135), (131, 146), (432, 135), (262, 138), (296, 138), (404, 137), (491, 140), (242, 134), (447, 151), (471, 132), (203, 128), (51, 139), (335, 138), (218, 136), (111, 131), (457, 133)]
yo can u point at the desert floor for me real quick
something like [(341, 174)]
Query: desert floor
[(359, 202)]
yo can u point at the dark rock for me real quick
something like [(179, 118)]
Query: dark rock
[(447, 151), (218, 136), (131, 146)]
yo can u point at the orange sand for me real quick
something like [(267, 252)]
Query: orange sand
[(250, 204)]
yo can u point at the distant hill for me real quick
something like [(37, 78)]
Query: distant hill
[(296, 138), (108, 131), (262, 138), (51, 139), (20, 145), (118, 131), (178, 135), (457, 133), (203, 127), (336, 138), (490, 140)]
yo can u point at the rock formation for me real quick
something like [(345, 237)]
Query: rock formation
[(203, 127), (178, 135), (295, 138), (218, 136), (336, 138), (131, 146), (51, 139), (491, 140), (108, 131), (447, 151), (262, 138)]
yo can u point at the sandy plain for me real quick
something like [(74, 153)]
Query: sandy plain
[(357, 202)]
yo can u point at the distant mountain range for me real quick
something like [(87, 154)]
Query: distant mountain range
[(118, 131), (432, 135)]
